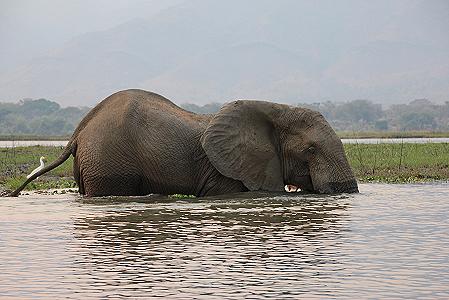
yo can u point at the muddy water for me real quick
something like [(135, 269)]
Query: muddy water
[(389, 241)]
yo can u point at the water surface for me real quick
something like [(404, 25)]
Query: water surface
[(389, 241), (10, 144)]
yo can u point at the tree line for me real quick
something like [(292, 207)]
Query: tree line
[(47, 118), (39, 117), (364, 115)]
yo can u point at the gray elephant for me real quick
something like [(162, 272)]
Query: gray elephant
[(136, 142)]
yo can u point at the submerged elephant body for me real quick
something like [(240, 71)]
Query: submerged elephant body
[(136, 143), (140, 143)]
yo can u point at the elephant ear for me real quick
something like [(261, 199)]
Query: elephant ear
[(241, 143)]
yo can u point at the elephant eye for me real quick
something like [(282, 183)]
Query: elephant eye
[(311, 150)]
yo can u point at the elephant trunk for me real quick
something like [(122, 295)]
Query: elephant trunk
[(334, 176), (349, 186)]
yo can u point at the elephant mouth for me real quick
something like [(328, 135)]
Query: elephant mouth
[(303, 183)]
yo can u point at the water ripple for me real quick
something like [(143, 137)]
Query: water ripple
[(389, 241)]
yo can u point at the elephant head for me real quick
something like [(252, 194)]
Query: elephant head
[(267, 146)]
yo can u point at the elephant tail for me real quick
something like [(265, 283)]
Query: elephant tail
[(68, 150)]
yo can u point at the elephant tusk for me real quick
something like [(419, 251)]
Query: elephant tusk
[(290, 188)]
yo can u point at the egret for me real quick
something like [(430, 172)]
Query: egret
[(42, 161)]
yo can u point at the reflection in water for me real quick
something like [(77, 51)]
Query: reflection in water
[(388, 241), (213, 245)]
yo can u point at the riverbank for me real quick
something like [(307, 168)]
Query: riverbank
[(399, 163), (391, 134), (17, 162), (341, 134), (34, 138), (388, 163), (63, 143)]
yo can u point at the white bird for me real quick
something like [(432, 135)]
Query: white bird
[(42, 160)]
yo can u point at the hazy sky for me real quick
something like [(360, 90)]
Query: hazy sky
[(217, 50), (29, 28)]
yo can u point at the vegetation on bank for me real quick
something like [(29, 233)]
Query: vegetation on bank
[(399, 163), (390, 163), (17, 162), (392, 134)]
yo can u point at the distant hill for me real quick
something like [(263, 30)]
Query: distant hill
[(203, 51)]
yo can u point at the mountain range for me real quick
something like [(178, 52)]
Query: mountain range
[(203, 51)]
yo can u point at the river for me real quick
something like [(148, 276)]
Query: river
[(389, 241), (10, 144)]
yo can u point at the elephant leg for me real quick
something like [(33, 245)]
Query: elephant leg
[(77, 176), (113, 184), (114, 174)]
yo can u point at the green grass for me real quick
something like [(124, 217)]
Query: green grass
[(392, 134), (390, 163), (16, 163), (41, 184), (399, 162)]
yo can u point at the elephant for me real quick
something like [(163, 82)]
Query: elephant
[(136, 142)]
